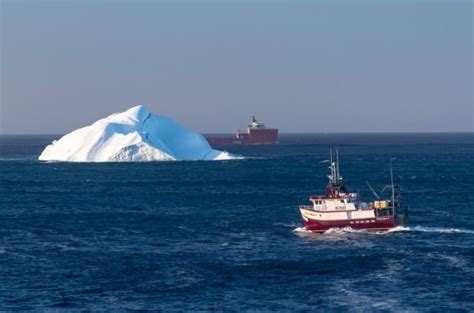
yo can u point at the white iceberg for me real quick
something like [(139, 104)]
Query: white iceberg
[(134, 135)]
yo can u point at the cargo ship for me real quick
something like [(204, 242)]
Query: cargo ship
[(256, 134), (338, 208)]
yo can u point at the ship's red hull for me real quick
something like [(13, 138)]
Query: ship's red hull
[(219, 141), (259, 136), (380, 223), (252, 137)]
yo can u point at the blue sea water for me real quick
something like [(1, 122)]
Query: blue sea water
[(227, 235)]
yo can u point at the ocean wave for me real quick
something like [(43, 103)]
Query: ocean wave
[(363, 302), (344, 230), (425, 229), (454, 262), (4, 159), (289, 225), (335, 232), (417, 228), (302, 230), (226, 156)]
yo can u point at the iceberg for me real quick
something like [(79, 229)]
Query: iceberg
[(132, 136)]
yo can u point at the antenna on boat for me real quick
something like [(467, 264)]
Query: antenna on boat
[(373, 190), (337, 165), (391, 181), (332, 166)]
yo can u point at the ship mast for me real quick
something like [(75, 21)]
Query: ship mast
[(333, 172), (330, 160), (393, 188), (335, 177)]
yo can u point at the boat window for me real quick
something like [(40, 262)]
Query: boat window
[(342, 201)]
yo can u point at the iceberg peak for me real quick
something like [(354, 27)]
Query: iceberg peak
[(132, 135), (135, 114), (139, 112)]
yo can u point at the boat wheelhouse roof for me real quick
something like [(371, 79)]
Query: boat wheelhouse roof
[(331, 197)]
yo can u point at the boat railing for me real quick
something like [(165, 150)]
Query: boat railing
[(307, 207)]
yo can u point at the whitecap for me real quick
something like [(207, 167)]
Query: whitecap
[(302, 230), (425, 229), (225, 156), (342, 230)]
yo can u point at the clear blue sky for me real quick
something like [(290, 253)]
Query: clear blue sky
[(301, 66)]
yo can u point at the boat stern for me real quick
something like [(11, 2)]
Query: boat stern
[(401, 217)]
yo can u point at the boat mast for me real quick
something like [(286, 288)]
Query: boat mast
[(393, 189), (337, 165), (331, 179)]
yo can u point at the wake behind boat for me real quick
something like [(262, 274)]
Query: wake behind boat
[(339, 208)]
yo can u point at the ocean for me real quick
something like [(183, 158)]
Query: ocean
[(227, 235)]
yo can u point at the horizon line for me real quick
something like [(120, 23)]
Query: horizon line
[(280, 133)]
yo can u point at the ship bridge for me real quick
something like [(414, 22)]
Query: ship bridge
[(256, 124)]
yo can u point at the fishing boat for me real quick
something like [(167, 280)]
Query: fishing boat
[(339, 208)]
